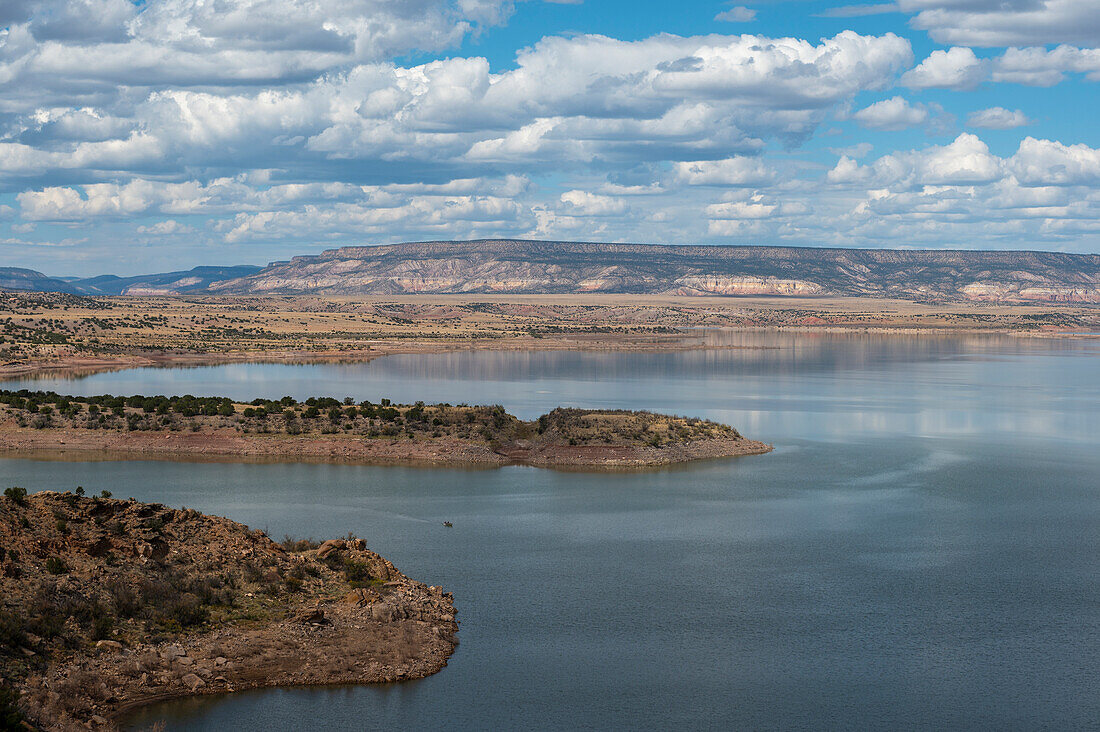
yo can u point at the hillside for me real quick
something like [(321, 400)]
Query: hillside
[(163, 283), (107, 604), (507, 266), (17, 278)]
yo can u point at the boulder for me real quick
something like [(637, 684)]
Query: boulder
[(193, 681), (314, 615), (330, 546)]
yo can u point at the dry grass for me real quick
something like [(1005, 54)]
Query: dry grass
[(38, 328)]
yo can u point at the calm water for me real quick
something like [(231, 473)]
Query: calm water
[(921, 550)]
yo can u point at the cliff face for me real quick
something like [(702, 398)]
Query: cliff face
[(509, 266)]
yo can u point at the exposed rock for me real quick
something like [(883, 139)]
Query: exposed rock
[(330, 546), (192, 682), (500, 266), (315, 615)]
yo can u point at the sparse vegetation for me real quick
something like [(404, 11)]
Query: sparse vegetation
[(136, 575), (489, 425)]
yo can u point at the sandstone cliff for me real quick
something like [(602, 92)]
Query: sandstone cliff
[(509, 266)]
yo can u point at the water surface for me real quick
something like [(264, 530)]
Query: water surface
[(919, 551)]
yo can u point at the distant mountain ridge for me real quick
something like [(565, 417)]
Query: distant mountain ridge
[(508, 266), (17, 278), (165, 283), (541, 267)]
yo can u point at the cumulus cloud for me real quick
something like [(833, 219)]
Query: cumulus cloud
[(1046, 67), (998, 118), (738, 171), (584, 203), (1050, 163), (737, 14), (895, 113), (1005, 22), (956, 68), (74, 46), (568, 102)]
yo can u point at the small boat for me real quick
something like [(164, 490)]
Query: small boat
[(448, 524)]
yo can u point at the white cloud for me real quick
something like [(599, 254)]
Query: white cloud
[(569, 102), (77, 45), (165, 228), (1050, 163), (892, 114), (1043, 67), (737, 14), (998, 118), (1005, 22), (956, 68), (584, 203), (738, 171)]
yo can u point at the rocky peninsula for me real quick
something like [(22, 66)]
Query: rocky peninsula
[(331, 430), (108, 604)]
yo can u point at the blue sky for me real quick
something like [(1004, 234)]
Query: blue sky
[(171, 133)]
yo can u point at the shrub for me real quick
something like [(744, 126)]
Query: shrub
[(104, 494), (299, 545), (12, 634), (56, 565), (356, 573), (16, 494), (10, 716)]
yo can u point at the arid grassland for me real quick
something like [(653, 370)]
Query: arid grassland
[(50, 330), (107, 604)]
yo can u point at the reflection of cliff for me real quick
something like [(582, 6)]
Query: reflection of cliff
[(725, 353), (499, 266)]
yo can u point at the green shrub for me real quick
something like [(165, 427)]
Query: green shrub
[(16, 494), (56, 565), (356, 573), (10, 716)]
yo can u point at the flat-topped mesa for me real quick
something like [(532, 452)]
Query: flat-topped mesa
[(327, 429), (555, 267), (108, 604)]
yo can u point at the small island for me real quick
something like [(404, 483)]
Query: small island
[(333, 430), (107, 605)]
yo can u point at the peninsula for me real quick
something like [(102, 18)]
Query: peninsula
[(330, 430), (108, 604)]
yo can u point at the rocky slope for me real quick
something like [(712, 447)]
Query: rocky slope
[(108, 604), (508, 266)]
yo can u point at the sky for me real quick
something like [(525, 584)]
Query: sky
[(154, 135)]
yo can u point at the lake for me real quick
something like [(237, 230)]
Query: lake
[(921, 549)]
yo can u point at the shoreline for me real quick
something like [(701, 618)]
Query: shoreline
[(229, 446), (686, 339)]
